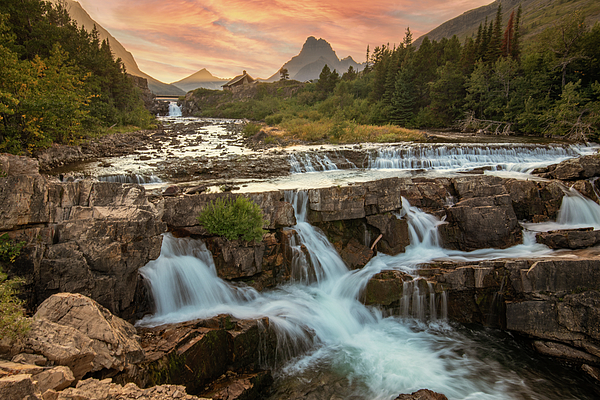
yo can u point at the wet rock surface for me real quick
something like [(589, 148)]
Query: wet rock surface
[(552, 302), (198, 353)]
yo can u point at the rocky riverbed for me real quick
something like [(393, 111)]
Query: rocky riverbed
[(91, 238)]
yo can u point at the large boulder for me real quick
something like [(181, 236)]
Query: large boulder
[(18, 387), (73, 330), (393, 231), (573, 169), (423, 394), (535, 201), (337, 203), (182, 211), (569, 239), (196, 353), (11, 165), (94, 389), (481, 222)]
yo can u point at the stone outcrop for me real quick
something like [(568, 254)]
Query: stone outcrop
[(573, 169), (569, 239), (85, 237), (74, 331), (476, 223), (94, 389), (423, 394), (92, 237), (554, 302), (196, 353)]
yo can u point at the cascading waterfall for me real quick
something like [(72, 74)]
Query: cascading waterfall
[(319, 319), (133, 178), (174, 109), (576, 211), (523, 158), (304, 162)]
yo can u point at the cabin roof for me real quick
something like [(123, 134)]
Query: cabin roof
[(238, 79)]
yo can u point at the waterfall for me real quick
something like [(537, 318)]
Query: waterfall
[(576, 211), (133, 178), (325, 262), (305, 162), (320, 322), (511, 157), (184, 278), (174, 109)]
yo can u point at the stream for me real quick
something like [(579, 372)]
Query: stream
[(332, 346)]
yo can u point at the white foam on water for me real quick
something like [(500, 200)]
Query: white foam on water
[(320, 320)]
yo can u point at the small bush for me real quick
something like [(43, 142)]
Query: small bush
[(251, 129), (234, 219), (13, 322)]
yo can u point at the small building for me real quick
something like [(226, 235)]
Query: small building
[(239, 80)]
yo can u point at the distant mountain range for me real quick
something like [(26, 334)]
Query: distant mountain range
[(203, 79), (79, 15), (537, 15), (315, 54)]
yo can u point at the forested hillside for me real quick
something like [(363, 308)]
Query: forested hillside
[(58, 83), (537, 15), (491, 82)]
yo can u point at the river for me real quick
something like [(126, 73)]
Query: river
[(332, 346)]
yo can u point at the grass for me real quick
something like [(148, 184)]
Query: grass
[(342, 132)]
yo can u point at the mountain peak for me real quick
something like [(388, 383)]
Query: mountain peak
[(314, 45), (315, 54)]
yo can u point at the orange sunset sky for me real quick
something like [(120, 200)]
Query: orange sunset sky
[(171, 39)]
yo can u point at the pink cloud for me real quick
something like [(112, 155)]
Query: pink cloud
[(172, 39)]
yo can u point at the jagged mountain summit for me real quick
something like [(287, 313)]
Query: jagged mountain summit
[(315, 54), (83, 19), (537, 15), (200, 79)]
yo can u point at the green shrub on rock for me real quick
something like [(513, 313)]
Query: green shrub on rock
[(234, 219)]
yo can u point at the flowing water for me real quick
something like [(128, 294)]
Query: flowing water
[(335, 347), (174, 109), (200, 140)]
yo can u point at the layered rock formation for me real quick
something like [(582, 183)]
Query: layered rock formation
[(91, 238)]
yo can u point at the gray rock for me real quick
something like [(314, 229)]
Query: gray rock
[(569, 239), (477, 223)]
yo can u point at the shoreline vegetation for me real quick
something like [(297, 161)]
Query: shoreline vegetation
[(60, 84), (490, 84)]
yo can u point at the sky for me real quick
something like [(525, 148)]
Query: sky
[(172, 39)]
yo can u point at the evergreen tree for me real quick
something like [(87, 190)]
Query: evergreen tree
[(447, 95), (564, 41), (479, 41), (485, 40), (495, 44), (468, 56), (516, 45), (508, 39), (402, 102)]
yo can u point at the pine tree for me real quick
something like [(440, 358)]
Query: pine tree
[(494, 48), (402, 101), (485, 40), (408, 37), (508, 40), (516, 48), (479, 41)]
